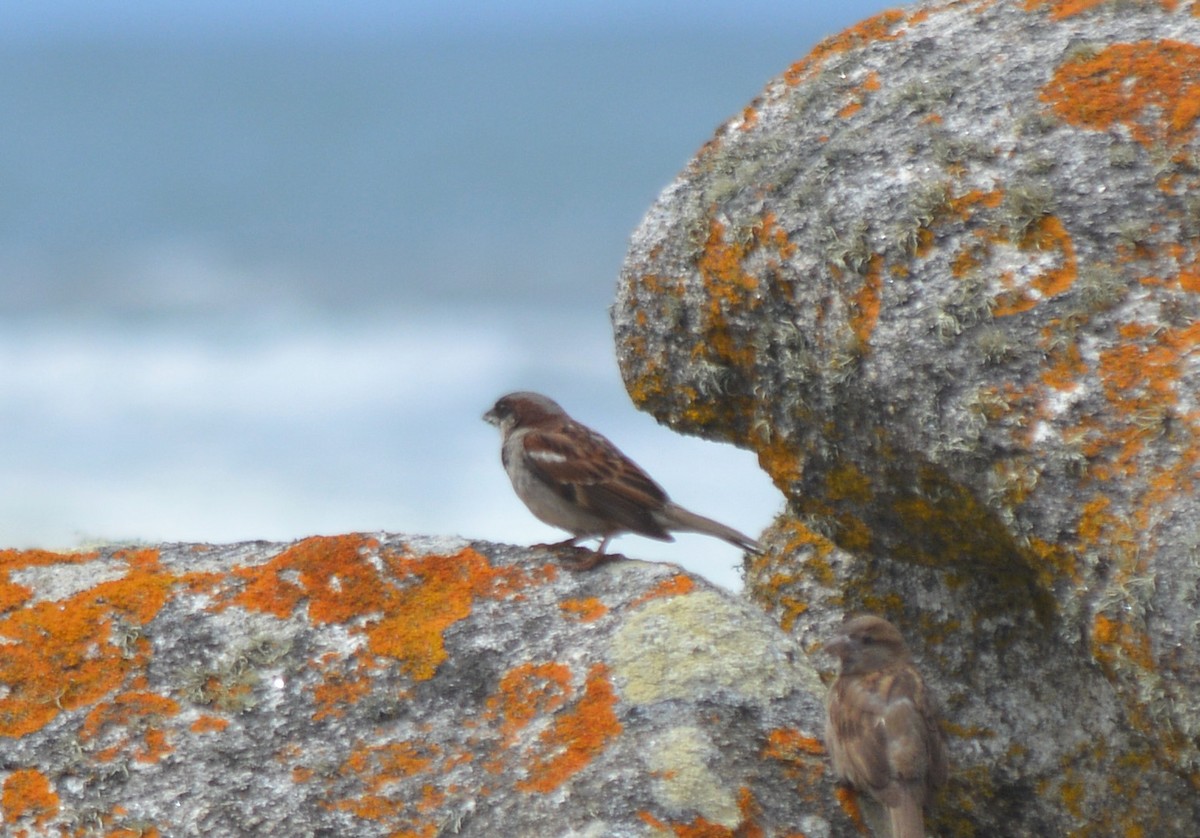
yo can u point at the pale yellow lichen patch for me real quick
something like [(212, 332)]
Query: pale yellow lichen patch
[(685, 646), (680, 761)]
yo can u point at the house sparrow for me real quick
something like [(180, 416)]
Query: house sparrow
[(572, 478), (882, 726)]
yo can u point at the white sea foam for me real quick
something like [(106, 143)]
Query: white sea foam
[(119, 434)]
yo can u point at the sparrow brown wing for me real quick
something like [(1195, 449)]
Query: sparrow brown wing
[(584, 467), (935, 740), (906, 723), (859, 739)]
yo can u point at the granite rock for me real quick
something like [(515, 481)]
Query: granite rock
[(387, 685), (943, 276)]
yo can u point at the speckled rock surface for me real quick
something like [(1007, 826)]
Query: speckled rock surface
[(943, 276), (384, 685)]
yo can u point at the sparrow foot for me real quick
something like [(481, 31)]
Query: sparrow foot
[(579, 558), (588, 560)]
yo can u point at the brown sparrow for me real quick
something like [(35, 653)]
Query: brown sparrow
[(882, 727), (572, 478)]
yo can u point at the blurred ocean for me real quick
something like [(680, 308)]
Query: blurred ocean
[(265, 287)]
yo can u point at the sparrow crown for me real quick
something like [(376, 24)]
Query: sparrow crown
[(867, 643), (523, 408)]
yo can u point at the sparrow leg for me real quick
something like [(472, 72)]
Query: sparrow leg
[(590, 559), (587, 561)]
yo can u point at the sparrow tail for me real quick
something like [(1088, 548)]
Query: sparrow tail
[(907, 818), (675, 517)]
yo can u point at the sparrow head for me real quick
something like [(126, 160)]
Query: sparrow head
[(524, 409), (867, 643)]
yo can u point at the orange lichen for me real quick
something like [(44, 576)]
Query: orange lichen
[(431, 798), (131, 718), (848, 800), (381, 772), (439, 593), (767, 234), (1111, 637), (13, 595), (858, 95), (155, 748), (732, 291), (584, 610), (967, 260), (526, 693), (1046, 234), (850, 109), (700, 827), (782, 575), (1142, 377), (336, 692), (787, 743), (341, 579), (127, 709), (697, 828), (977, 249), (1150, 87), (780, 459), (1055, 562), (27, 794), (1065, 368), (867, 301), (885, 26), (576, 736), (924, 243), (750, 811), (738, 269), (1097, 525), (1143, 370), (1060, 9), (648, 384), (749, 118), (60, 655), (676, 585), (729, 290), (379, 765), (202, 582), (802, 756), (846, 482), (1189, 278), (209, 724), (330, 574), (966, 205)]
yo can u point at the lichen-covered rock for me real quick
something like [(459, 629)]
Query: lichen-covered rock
[(943, 276), (384, 685)]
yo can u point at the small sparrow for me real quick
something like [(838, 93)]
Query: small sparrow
[(572, 478), (882, 726)]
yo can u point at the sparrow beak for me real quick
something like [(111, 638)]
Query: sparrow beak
[(838, 646), (491, 418)]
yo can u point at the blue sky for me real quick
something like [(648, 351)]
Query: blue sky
[(25, 19)]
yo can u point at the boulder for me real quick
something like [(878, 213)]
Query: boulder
[(943, 277), (386, 685)]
